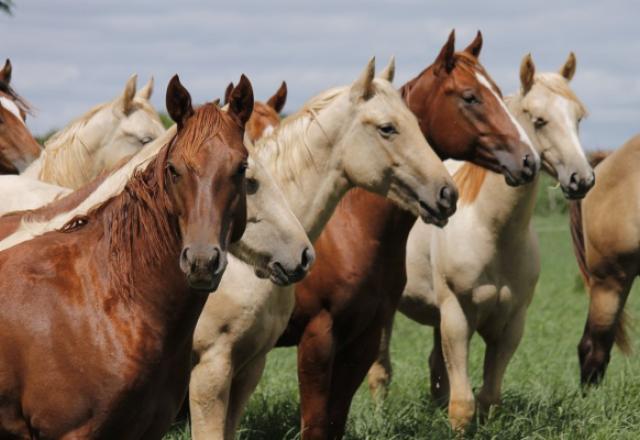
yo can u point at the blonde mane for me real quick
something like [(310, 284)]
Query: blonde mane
[(66, 159), (469, 179)]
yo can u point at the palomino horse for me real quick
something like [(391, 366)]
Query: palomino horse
[(266, 116), (108, 354), (99, 139), (17, 147), (607, 247), (361, 135), (353, 291), (480, 271)]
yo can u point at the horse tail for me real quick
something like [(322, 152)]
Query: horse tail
[(621, 337), (577, 237)]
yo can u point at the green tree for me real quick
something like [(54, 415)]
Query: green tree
[(6, 6)]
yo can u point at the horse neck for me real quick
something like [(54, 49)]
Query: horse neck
[(311, 176)]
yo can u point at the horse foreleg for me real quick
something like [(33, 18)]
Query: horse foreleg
[(380, 372), (456, 333), (316, 352), (438, 371), (499, 349), (209, 390), (243, 385)]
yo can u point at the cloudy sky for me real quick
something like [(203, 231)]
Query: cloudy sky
[(69, 55)]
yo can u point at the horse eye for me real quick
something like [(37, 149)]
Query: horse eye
[(173, 173), (469, 97), (145, 140), (539, 123), (252, 185), (386, 130)]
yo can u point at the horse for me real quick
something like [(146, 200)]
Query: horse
[(266, 116), (357, 135), (479, 272), (353, 291), (17, 147), (108, 354), (99, 139), (607, 252)]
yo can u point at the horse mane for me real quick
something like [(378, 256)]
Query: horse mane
[(22, 103), (66, 159), (557, 84), (469, 179)]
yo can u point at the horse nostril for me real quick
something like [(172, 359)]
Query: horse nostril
[(184, 258), (307, 258), (529, 165), (448, 197), (214, 262), (574, 179)]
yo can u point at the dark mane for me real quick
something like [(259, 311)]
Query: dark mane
[(19, 100)]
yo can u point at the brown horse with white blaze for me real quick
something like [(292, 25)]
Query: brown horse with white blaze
[(97, 330), (352, 292), (17, 147)]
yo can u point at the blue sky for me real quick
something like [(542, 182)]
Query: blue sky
[(69, 55)]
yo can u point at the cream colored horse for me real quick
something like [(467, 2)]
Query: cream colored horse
[(360, 135), (479, 272)]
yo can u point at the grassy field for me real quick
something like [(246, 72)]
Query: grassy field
[(541, 397)]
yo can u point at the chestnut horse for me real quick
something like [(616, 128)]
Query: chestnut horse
[(266, 116), (353, 291), (607, 248), (97, 339), (17, 147)]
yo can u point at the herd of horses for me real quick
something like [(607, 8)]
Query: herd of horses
[(142, 265)]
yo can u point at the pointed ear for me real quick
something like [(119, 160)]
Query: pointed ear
[(5, 73), (569, 68), (362, 88), (125, 102), (146, 92), (278, 100), (178, 102), (445, 60), (527, 72), (227, 92), (241, 101), (216, 102), (390, 71), (476, 46)]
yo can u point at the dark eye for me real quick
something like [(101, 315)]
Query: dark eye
[(145, 140), (242, 168), (469, 97), (387, 130), (173, 173), (538, 123), (252, 185)]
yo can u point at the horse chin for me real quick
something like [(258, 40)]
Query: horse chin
[(204, 283)]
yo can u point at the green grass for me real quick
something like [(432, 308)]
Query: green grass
[(541, 396)]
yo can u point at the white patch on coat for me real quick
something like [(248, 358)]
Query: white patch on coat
[(12, 107)]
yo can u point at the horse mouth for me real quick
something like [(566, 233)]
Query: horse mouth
[(432, 216), (204, 282), (280, 276)]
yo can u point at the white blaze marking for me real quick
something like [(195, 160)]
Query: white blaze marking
[(523, 134), (12, 107), (563, 104)]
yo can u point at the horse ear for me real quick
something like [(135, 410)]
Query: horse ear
[(227, 92), (126, 99), (527, 72), (216, 102), (146, 92), (362, 88), (241, 100), (178, 102), (5, 73), (445, 59), (476, 46), (569, 68), (390, 71), (279, 99)]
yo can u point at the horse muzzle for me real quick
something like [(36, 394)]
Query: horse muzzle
[(203, 266)]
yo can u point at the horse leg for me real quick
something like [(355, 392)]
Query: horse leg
[(350, 368), (316, 352), (438, 371), (380, 372), (209, 390), (499, 350), (456, 333), (607, 300), (242, 387)]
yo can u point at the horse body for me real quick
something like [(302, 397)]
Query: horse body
[(17, 147), (335, 142), (109, 354), (607, 249), (488, 287)]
